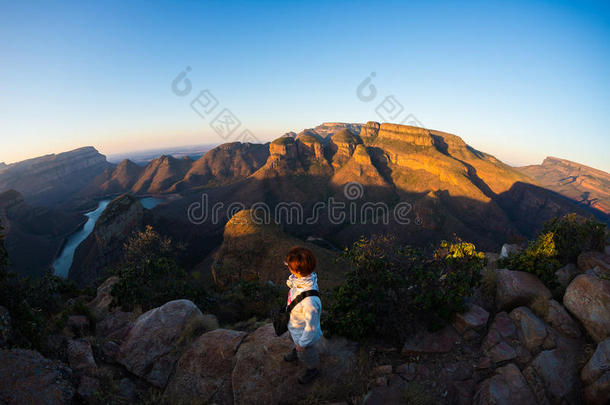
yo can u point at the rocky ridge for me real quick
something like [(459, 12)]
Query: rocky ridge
[(530, 349)]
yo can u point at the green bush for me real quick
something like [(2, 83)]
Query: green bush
[(391, 290), (149, 276), (246, 300), (574, 234), (559, 243)]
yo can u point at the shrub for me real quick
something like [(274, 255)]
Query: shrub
[(392, 289), (248, 299), (574, 234), (559, 243), (149, 276)]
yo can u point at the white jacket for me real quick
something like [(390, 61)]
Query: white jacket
[(304, 324)]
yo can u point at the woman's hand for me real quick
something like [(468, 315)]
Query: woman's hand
[(300, 348)]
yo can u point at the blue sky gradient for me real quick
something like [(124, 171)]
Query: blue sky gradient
[(519, 80)]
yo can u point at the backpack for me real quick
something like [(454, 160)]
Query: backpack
[(281, 316)]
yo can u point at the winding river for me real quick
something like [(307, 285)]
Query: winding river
[(62, 264)]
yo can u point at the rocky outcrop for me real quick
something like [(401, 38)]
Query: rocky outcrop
[(516, 288), (507, 386), (404, 133), (80, 357), (261, 375), (154, 343), (53, 179), (475, 318), (160, 174), (100, 305), (104, 246), (342, 146), (225, 164), (561, 321), (594, 260), (251, 251), (203, 373), (531, 329), (595, 375), (588, 299), (27, 378), (553, 375)]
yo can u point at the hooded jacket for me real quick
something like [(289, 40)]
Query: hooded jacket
[(304, 324)]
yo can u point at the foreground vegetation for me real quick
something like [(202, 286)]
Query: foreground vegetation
[(392, 290), (559, 243)]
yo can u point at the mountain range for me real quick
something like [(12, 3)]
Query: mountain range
[(581, 183), (445, 186)]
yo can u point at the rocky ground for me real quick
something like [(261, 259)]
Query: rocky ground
[(516, 343)]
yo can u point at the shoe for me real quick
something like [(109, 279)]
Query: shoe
[(309, 376), (292, 356)]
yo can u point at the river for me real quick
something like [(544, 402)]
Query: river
[(62, 264)]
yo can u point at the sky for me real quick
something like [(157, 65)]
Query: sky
[(519, 80)]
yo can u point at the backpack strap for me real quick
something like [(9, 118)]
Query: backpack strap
[(301, 297)]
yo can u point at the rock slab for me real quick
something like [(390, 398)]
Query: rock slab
[(203, 373), (157, 338), (588, 299), (517, 288), (26, 377)]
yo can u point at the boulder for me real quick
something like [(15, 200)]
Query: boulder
[(100, 305), (78, 324), (554, 376), (502, 327), (565, 274), (588, 299), (516, 288), (561, 321), (203, 373), (425, 342), (28, 378), (115, 326), (501, 352), (6, 331), (509, 249), (88, 388), (474, 318), (507, 386), (260, 371), (532, 331), (592, 259), (156, 340), (595, 375), (80, 356)]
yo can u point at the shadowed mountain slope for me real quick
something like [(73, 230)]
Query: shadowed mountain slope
[(53, 179), (590, 187), (34, 235)]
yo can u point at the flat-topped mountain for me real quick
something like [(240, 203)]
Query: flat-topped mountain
[(449, 188), (581, 183), (53, 179)]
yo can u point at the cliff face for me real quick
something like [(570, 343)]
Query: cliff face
[(588, 186), (160, 174), (53, 179), (104, 246), (452, 187), (226, 163), (34, 235)]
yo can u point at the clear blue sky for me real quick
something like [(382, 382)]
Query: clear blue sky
[(520, 80)]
